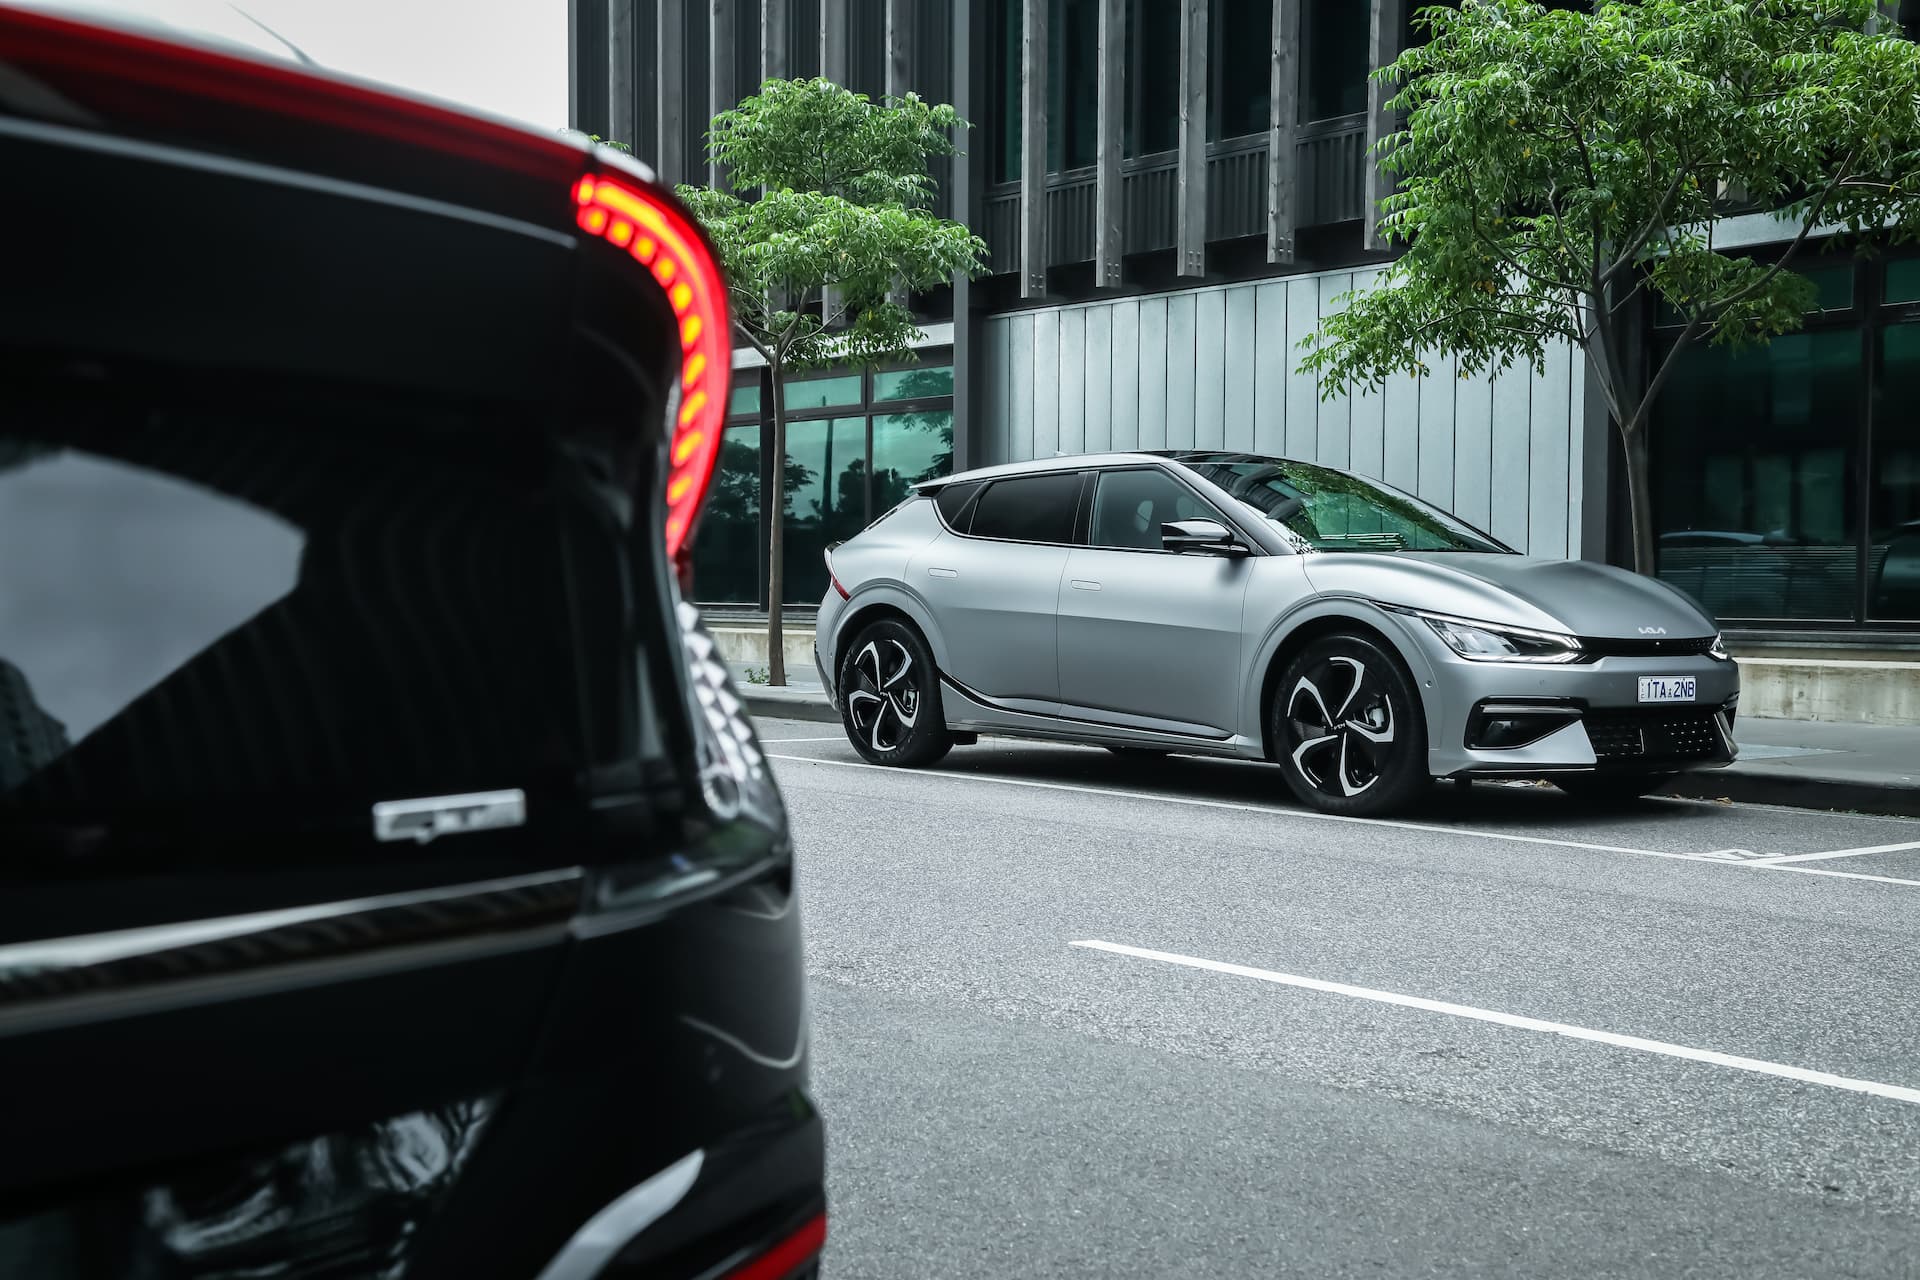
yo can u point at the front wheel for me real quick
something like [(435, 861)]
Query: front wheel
[(1348, 728), (890, 697)]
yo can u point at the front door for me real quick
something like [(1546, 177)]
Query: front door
[(1148, 637)]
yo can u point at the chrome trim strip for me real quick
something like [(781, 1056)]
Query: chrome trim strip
[(614, 1227)]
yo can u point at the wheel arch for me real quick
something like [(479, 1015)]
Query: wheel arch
[(1324, 617), (872, 605)]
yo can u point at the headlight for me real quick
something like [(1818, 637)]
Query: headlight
[(1483, 642), (1719, 649)]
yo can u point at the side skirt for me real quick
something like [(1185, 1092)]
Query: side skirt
[(970, 712)]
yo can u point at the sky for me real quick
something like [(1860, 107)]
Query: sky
[(507, 56)]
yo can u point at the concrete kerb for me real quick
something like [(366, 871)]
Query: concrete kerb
[(1748, 785)]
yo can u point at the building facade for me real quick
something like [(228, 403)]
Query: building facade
[(1173, 193)]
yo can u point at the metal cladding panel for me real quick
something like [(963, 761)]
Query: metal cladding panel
[(1181, 371), (1153, 373), (1512, 409), (1071, 378), (1097, 379), (1473, 450), (1549, 450), (1125, 397), (1272, 369), (1243, 342), (1046, 384), (1210, 369), (1217, 367)]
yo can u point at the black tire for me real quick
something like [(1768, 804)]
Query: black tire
[(1348, 729), (890, 697), (1611, 788), (1140, 753)]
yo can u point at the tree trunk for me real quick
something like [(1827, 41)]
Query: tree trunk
[(776, 554), (1640, 499)]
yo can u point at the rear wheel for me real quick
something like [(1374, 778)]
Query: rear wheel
[(1615, 788), (890, 697), (1348, 728)]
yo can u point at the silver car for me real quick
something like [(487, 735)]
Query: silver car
[(1235, 605)]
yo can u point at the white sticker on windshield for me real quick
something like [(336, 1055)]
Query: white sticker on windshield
[(435, 816)]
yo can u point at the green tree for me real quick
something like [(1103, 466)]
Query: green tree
[(1557, 168), (816, 261)]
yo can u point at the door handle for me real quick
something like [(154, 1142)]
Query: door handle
[(1085, 584), (935, 571)]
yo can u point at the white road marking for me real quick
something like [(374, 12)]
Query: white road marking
[(1848, 853), (1898, 1093), (774, 742), (1719, 857)]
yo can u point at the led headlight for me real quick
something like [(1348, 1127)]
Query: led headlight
[(1486, 642)]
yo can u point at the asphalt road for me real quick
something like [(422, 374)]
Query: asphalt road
[(1504, 1036)]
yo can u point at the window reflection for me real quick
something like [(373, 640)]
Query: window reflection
[(909, 448), (1333, 72), (727, 547), (826, 497), (1893, 563)]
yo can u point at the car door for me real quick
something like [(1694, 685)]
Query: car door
[(992, 580), (1149, 637)]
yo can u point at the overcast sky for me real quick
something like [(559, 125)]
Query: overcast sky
[(508, 56)]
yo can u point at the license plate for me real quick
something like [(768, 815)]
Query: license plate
[(1669, 688)]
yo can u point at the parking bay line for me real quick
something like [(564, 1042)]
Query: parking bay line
[(1874, 1088), (1724, 858), (1847, 853)]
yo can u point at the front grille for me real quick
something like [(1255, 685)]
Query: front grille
[(1613, 647), (1665, 735)]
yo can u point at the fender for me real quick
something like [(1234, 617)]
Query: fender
[(894, 594), (1344, 606)]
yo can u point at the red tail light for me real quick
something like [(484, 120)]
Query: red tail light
[(664, 240), (834, 578), (787, 1257)]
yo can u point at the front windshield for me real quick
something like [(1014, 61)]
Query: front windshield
[(1321, 509)]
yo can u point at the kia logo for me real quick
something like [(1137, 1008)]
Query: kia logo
[(1653, 631)]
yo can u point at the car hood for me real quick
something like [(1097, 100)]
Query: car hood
[(1576, 596)]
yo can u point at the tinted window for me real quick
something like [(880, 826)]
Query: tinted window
[(952, 502), (1130, 506), (1029, 509), (253, 628)]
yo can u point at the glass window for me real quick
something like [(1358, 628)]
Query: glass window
[(909, 448), (1152, 118), (727, 546), (826, 497), (1073, 63), (1903, 280), (1029, 508), (1833, 286), (953, 501), (1333, 72), (1130, 506), (1893, 562), (233, 631), (923, 382), (824, 393), (1242, 82), (1753, 456), (745, 400), (1327, 510), (1005, 74)]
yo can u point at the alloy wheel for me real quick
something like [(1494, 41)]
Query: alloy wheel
[(1343, 726), (883, 703)]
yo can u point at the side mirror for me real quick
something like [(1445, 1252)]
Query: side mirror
[(1203, 537)]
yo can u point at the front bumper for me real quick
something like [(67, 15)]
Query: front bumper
[(1577, 717)]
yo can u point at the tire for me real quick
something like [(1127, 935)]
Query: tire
[(1348, 729), (890, 698), (1611, 788)]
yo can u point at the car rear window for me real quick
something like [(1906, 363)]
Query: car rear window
[(239, 623), (1029, 508)]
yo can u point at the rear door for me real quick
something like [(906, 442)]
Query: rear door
[(1149, 637), (992, 582)]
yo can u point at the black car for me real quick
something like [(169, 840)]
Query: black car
[(390, 882)]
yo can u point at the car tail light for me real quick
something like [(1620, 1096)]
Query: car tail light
[(833, 577), (786, 1258), (663, 239)]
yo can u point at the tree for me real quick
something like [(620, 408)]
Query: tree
[(840, 225), (1558, 169)]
